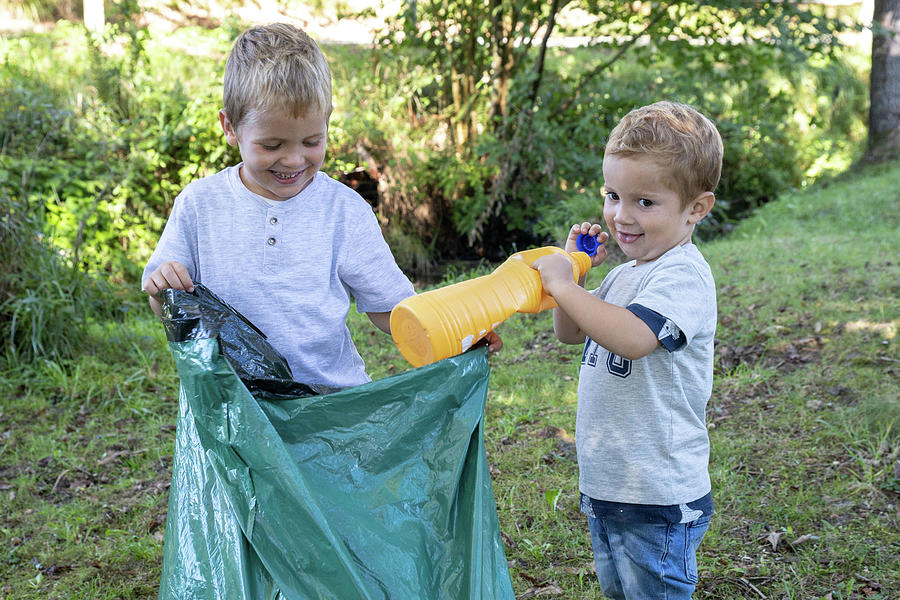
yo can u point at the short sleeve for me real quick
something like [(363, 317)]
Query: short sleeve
[(368, 268), (178, 240), (667, 332), (677, 301)]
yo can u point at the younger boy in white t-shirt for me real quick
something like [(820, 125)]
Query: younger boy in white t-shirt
[(647, 366)]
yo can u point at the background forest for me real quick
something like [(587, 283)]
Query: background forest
[(475, 129), (472, 130)]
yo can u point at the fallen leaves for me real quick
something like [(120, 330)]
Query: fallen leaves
[(539, 588), (729, 356), (787, 355), (111, 457), (544, 346), (551, 589), (778, 542)]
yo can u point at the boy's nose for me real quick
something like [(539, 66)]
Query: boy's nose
[(293, 158), (623, 215)]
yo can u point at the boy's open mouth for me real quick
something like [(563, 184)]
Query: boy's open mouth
[(627, 238), (286, 177)]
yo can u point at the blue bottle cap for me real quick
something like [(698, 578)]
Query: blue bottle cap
[(587, 244)]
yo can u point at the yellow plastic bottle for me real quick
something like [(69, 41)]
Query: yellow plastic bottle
[(445, 322)]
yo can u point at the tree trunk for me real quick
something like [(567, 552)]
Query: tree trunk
[(884, 83), (501, 49)]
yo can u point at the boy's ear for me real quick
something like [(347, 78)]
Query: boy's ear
[(230, 133), (700, 207)]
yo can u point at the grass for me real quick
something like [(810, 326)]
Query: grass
[(803, 422)]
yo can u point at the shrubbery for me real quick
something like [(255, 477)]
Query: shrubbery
[(100, 134), (46, 305), (781, 130), (85, 183), (784, 94), (131, 128)]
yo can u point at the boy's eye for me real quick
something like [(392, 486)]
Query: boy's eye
[(612, 196), (270, 147), (645, 203)]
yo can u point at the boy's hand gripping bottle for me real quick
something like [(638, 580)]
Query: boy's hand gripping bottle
[(445, 322)]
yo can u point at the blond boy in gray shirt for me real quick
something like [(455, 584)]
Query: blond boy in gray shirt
[(283, 243)]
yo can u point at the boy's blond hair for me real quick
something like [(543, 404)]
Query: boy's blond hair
[(276, 67), (679, 138)]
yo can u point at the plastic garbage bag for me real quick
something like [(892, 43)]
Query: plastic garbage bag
[(377, 491), (203, 315)]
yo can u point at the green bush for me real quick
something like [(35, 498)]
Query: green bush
[(780, 131), (47, 306), (102, 174), (765, 73), (101, 142)]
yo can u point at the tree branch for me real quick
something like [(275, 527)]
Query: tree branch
[(661, 12), (539, 68)]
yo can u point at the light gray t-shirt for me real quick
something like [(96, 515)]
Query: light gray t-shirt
[(290, 267), (640, 429)]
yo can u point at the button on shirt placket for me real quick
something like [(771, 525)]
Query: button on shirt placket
[(272, 239)]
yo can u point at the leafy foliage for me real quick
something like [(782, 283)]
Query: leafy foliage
[(102, 172), (43, 10), (481, 136), (46, 306), (87, 175), (529, 122)]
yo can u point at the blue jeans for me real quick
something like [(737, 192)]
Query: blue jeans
[(639, 561)]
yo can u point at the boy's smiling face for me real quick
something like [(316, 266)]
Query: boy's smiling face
[(643, 211), (281, 153)]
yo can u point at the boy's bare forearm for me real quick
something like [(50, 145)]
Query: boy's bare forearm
[(381, 320), (617, 329), (567, 331)]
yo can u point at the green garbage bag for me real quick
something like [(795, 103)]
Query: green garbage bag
[(378, 491)]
